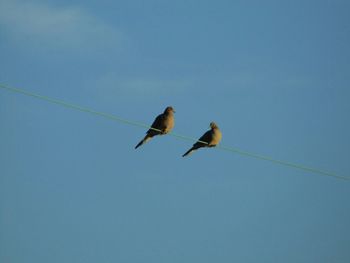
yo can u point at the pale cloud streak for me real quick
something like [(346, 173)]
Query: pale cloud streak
[(110, 85), (40, 25)]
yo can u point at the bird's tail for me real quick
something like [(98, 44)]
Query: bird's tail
[(189, 151), (144, 140)]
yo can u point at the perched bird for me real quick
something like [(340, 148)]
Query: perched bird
[(161, 125), (209, 139)]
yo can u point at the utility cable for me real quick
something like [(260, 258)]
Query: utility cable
[(183, 137)]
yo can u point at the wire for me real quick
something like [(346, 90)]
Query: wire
[(183, 137)]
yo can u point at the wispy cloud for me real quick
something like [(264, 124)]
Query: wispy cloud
[(47, 27), (112, 85)]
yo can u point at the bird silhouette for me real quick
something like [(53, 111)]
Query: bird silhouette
[(163, 124), (209, 139)]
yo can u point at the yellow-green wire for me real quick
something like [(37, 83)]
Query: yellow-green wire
[(183, 137)]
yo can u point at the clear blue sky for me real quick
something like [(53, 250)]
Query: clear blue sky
[(275, 77)]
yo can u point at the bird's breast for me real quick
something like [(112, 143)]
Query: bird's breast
[(168, 123), (216, 137)]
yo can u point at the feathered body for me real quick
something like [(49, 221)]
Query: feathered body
[(163, 124), (209, 139)]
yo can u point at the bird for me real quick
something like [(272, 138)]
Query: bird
[(163, 124), (209, 139)]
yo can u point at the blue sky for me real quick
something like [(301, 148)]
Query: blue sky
[(275, 77)]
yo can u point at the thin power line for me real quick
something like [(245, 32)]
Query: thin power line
[(183, 137)]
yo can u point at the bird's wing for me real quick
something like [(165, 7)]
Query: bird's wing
[(206, 137), (157, 124)]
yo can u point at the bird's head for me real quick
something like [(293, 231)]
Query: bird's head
[(213, 125), (169, 109)]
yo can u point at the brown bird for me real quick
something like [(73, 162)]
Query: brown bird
[(209, 139), (163, 124)]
